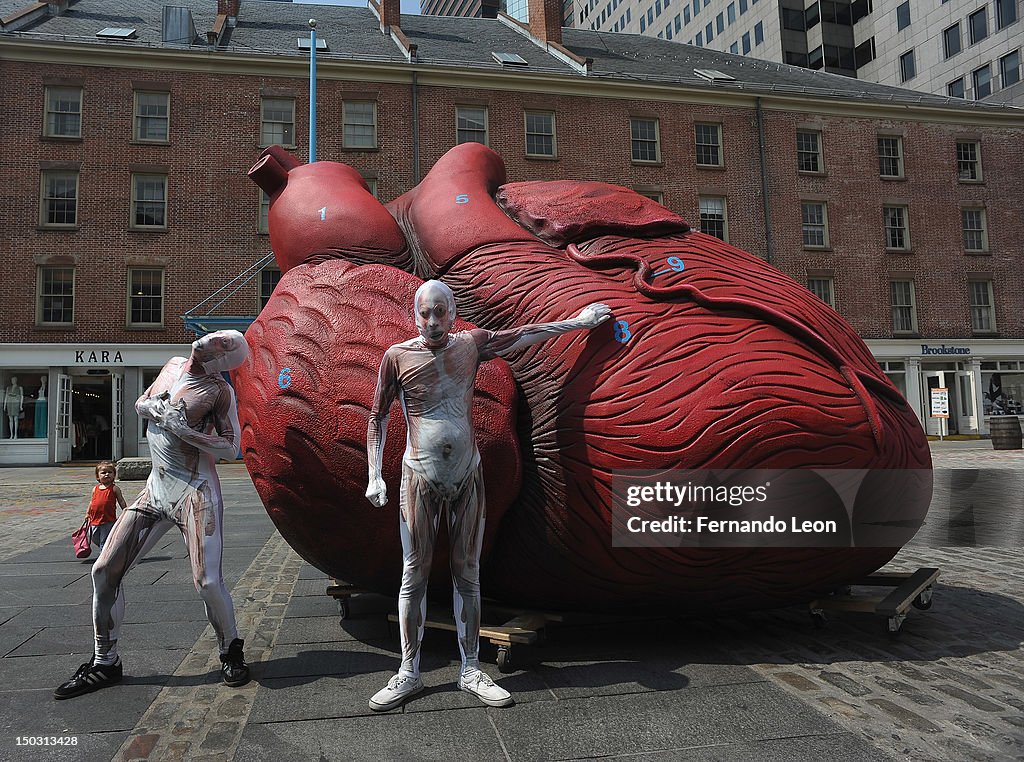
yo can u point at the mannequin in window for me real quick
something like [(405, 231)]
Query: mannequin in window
[(40, 416), (14, 402)]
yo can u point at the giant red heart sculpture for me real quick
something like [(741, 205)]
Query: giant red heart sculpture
[(715, 360)]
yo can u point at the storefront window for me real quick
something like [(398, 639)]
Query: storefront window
[(24, 403), (897, 373), (1004, 388), (148, 377)]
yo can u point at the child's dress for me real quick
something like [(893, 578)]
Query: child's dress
[(102, 514)]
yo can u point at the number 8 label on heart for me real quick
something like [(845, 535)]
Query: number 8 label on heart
[(622, 332)]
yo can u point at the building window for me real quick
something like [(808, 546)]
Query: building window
[(824, 289), (890, 156), (955, 89), (904, 311), (59, 202), (975, 233), (814, 219), (897, 235), (983, 314), (758, 33), (746, 42), (149, 201), (903, 15), (657, 196), (540, 133), (56, 302), (977, 24), (908, 68), (360, 124), (263, 222), (968, 160), (269, 278), (145, 296), (277, 125), (709, 144), (1009, 69), (713, 219), (471, 124), (982, 82), (152, 117), (808, 151), (709, 32), (951, 40), (645, 139), (371, 185), (63, 112), (1006, 13)]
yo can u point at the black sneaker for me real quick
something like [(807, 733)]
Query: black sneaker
[(233, 668), (90, 677)]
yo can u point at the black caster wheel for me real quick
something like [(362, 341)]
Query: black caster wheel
[(343, 610), (504, 659), (923, 601)]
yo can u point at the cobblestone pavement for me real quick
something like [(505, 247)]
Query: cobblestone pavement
[(949, 687)]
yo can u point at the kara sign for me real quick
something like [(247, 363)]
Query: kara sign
[(944, 350), (100, 356)]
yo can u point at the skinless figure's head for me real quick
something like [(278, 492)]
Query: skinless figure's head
[(220, 351), (435, 313)]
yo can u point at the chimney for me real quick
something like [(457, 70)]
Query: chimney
[(546, 20), (390, 14), (230, 9)]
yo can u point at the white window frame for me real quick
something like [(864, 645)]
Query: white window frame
[(704, 207), (348, 119), (716, 146), (163, 297), (263, 213), (824, 288), (537, 134), (638, 140), (814, 226), (980, 312), (883, 157), (40, 296), (462, 116), (44, 199), (262, 295), (135, 179), (266, 139), (904, 227), (802, 152), (51, 114), (968, 166), (973, 231), (911, 305), (137, 117)]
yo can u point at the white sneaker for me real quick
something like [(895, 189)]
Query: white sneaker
[(481, 686), (398, 689)]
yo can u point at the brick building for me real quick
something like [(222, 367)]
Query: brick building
[(124, 203)]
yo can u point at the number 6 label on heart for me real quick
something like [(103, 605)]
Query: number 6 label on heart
[(284, 378)]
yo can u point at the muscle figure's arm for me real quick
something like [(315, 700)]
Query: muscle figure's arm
[(377, 429), (499, 343), (154, 402), (222, 444)]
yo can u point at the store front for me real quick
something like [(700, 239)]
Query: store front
[(66, 403), (983, 377)]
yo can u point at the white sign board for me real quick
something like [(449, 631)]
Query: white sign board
[(940, 402)]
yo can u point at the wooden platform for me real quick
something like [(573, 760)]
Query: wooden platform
[(909, 589)]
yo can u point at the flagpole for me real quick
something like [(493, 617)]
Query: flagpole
[(312, 91)]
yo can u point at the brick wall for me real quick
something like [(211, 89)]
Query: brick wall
[(213, 207)]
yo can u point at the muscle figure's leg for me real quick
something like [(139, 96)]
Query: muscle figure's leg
[(202, 527), (132, 537), (420, 511), (466, 516)]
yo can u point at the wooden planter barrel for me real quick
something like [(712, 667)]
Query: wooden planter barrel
[(1006, 432)]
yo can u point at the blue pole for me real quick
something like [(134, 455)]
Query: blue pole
[(312, 91)]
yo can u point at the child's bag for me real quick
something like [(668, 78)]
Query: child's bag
[(80, 539)]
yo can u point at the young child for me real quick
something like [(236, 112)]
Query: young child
[(106, 496)]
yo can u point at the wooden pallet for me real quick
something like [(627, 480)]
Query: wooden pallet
[(909, 589)]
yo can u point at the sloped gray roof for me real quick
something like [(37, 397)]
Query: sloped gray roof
[(266, 26)]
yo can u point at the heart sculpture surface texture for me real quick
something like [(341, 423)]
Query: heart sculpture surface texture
[(713, 360)]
